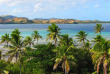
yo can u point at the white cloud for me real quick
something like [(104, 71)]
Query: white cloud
[(43, 5), (14, 3), (56, 5), (16, 11), (37, 7), (4, 2), (96, 6)]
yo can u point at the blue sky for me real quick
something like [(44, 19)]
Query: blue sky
[(75, 9)]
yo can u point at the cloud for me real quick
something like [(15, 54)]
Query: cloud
[(57, 5), (4, 2), (14, 3), (37, 7), (53, 3), (16, 11), (96, 6), (42, 6)]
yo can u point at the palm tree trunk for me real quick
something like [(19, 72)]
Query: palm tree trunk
[(16, 57), (0, 55), (20, 68), (65, 70), (20, 60), (0, 71), (83, 43), (56, 45), (105, 68), (37, 41), (30, 44), (7, 44)]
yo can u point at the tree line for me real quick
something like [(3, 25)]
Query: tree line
[(62, 55)]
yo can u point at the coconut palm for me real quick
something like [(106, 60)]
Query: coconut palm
[(0, 54), (16, 46), (54, 33), (98, 28), (5, 39), (36, 35), (87, 45), (65, 40), (101, 55), (81, 36), (98, 39), (64, 58), (29, 41)]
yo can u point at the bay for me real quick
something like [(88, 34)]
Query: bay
[(71, 29)]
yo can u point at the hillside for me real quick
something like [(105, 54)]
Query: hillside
[(7, 16), (9, 19)]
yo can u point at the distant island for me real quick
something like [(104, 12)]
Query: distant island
[(9, 19)]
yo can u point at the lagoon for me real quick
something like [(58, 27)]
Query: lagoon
[(71, 29)]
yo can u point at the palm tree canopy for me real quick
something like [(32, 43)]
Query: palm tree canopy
[(81, 36), (98, 39), (5, 38), (98, 28), (101, 54), (36, 35), (28, 40), (65, 40), (16, 44), (15, 36), (64, 58), (54, 32), (87, 45)]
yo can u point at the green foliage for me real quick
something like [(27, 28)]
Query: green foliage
[(98, 28), (81, 36), (28, 41), (3, 65), (65, 40), (54, 33), (0, 54), (41, 59), (64, 58), (5, 39), (101, 53), (36, 36), (83, 61)]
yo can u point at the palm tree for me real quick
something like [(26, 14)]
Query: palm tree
[(36, 35), (101, 55), (16, 46), (87, 45), (98, 39), (98, 28), (81, 36), (5, 39), (65, 40), (64, 58), (0, 54), (28, 41), (54, 33)]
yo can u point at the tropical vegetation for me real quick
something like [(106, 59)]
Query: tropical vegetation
[(61, 55)]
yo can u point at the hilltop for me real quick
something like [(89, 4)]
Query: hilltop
[(10, 19)]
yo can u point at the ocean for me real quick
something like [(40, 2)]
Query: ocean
[(71, 29)]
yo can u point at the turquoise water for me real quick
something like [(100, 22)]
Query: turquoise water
[(71, 29)]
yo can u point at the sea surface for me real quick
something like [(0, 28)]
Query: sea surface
[(71, 29)]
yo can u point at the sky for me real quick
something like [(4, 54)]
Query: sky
[(65, 9)]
